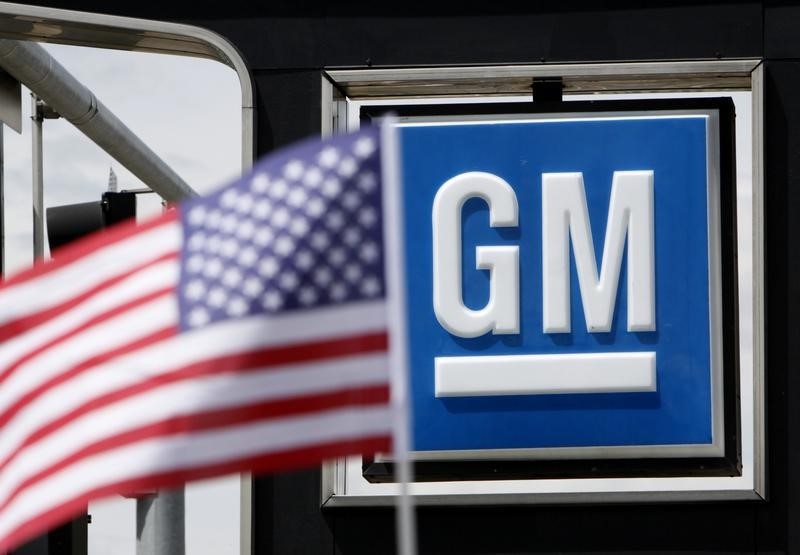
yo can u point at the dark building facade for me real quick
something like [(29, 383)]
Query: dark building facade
[(287, 46)]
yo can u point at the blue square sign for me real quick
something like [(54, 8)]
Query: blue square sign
[(562, 281)]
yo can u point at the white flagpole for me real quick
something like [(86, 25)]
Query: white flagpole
[(401, 413)]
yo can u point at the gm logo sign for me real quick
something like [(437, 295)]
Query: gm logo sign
[(569, 282)]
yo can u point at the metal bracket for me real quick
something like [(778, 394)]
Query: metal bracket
[(547, 89)]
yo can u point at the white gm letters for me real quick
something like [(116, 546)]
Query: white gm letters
[(565, 215), (501, 313)]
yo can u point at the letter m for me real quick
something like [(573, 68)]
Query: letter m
[(565, 215)]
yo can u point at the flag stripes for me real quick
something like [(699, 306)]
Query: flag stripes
[(162, 397), (33, 292), (115, 291), (259, 447)]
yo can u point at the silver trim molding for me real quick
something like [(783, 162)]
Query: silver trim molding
[(343, 485)]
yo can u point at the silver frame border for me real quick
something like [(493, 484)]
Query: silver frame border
[(724, 75)]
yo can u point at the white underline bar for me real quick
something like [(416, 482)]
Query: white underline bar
[(479, 376)]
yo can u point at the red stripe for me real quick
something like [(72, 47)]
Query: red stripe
[(240, 362), (95, 320), (210, 420), (274, 461), (20, 325), (155, 337), (87, 245)]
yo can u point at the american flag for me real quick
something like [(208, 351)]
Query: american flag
[(245, 330)]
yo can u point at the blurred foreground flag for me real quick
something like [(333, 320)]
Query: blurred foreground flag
[(245, 330)]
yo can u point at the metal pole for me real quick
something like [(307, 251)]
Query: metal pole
[(33, 66), (38, 180), (160, 523)]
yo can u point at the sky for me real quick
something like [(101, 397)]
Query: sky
[(188, 111)]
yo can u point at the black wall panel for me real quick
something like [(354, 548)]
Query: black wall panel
[(292, 35), (782, 153)]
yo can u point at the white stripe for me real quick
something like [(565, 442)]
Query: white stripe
[(143, 282), (58, 286), (192, 451), (200, 394), (115, 332), (479, 376)]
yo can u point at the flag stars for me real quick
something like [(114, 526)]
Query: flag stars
[(196, 241), (371, 286), (263, 236), (338, 291), (280, 217), (368, 252), (323, 276), (229, 223), (217, 297), (335, 220), (347, 168), (363, 147), (278, 190), (307, 295), (337, 256), (352, 272), (213, 268), (315, 207), (320, 240), (213, 219), (262, 209), (232, 277), (297, 197), (288, 280), (272, 300), (367, 181), (246, 230), (198, 316), (244, 204), (268, 267), (228, 198), (293, 170), (367, 216), (351, 236), (229, 248), (312, 178), (351, 200), (331, 187), (237, 307), (195, 263), (328, 157), (304, 260), (259, 184), (213, 244), (252, 287), (298, 227), (195, 290), (284, 245), (197, 215), (248, 257)]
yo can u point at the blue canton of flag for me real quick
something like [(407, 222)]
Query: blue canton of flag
[(303, 230)]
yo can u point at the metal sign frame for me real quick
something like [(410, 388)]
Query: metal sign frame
[(343, 484)]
